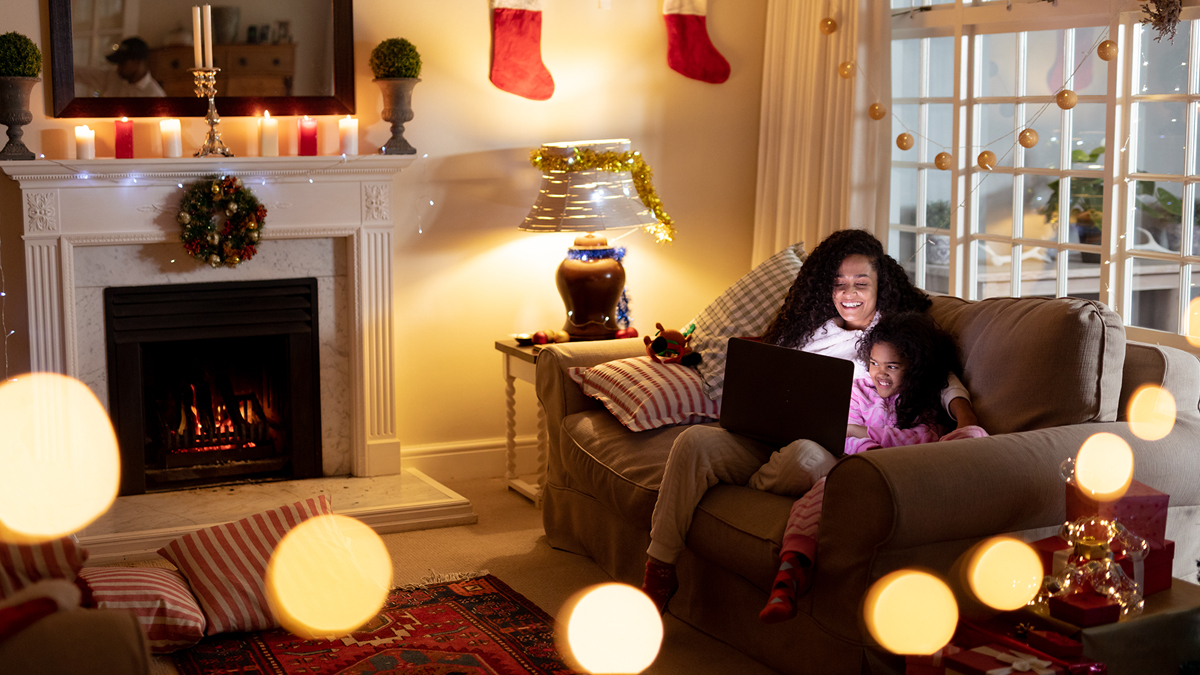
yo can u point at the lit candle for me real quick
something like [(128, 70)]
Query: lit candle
[(124, 138), (172, 138), (196, 41), (85, 143), (208, 59), (308, 136), (348, 131), (268, 135)]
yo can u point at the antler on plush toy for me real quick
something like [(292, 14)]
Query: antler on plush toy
[(671, 346)]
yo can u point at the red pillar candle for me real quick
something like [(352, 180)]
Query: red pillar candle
[(124, 138), (308, 136)]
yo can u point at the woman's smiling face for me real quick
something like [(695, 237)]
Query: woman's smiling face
[(855, 290)]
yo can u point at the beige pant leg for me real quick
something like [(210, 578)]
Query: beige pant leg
[(793, 470), (701, 457)]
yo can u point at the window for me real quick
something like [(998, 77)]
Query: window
[(1102, 207)]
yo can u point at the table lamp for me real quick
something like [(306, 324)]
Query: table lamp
[(591, 277)]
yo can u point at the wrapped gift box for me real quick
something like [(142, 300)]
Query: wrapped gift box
[(1085, 609), (1156, 567), (996, 659), (1143, 510), (1054, 644), (933, 664)]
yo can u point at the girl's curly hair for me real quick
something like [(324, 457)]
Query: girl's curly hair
[(931, 357), (809, 302)]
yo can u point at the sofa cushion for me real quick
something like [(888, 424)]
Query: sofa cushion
[(1070, 354), (643, 394), (159, 597), (22, 565), (740, 529)]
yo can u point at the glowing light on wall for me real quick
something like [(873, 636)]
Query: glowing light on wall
[(1104, 467), (612, 628), (911, 612), (1004, 573), (328, 576), (1151, 412), (61, 469)]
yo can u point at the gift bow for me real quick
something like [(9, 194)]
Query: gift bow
[(1019, 662)]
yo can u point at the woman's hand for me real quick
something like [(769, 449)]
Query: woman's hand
[(856, 431), (963, 412)]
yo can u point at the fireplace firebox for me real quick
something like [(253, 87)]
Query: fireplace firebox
[(214, 383)]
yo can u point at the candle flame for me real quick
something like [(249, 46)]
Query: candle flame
[(124, 119), (266, 114)]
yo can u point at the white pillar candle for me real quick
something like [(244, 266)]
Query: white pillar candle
[(172, 138), (197, 43), (268, 135), (208, 59), (85, 143), (348, 132)]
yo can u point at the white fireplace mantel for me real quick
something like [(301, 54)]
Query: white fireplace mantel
[(118, 203)]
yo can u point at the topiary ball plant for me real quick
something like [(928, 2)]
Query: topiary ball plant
[(395, 57), (19, 57)]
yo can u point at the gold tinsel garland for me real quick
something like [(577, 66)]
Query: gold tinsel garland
[(616, 162)]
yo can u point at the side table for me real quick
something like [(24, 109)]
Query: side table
[(520, 363)]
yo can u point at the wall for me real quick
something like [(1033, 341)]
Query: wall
[(464, 275)]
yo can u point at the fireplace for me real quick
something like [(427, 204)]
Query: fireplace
[(214, 382)]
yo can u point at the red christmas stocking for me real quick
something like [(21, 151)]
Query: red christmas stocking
[(517, 49), (689, 51)]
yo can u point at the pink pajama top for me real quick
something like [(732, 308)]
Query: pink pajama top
[(878, 415)]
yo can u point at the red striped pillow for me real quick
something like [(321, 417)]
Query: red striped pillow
[(22, 565), (159, 597), (227, 564), (644, 394)]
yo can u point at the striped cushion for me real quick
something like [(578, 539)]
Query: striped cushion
[(22, 565), (745, 309), (643, 394), (227, 564), (159, 597)]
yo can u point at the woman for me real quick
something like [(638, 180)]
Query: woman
[(841, 290)]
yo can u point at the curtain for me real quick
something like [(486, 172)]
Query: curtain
[(823, 164)]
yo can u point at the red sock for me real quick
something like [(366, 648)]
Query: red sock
[(517, 49), (660, 583), (793, 579), (690, 52)]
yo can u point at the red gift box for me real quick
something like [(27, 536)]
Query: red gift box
[(1156, 567), (1143, 510), (997, 658), (931, 664), (1085, 609), (1053, 552), (1056, 645)]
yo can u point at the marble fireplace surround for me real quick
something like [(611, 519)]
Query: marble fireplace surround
[(96, 223)]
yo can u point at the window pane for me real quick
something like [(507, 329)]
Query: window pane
[(1038, 273), (1092, 74), (1083, 278), (937, 263), (903, 246), (1044, 65), (1086, 214), (901, 4), (1041, 214), (1087, 136), (999, 59), (905, 119), (941, 128), (1046, 154), (903, 204), (1157, 216), (906, 68), (995, 275), (1162, 68), (1155, 295), (937, 198), (995, 123), (1160, 137), (941, 66), (995, 204)]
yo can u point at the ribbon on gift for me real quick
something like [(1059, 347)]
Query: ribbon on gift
[(1019, 662), (1059, 560)]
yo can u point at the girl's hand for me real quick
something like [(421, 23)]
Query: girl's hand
[(856, 431), (964, 413)]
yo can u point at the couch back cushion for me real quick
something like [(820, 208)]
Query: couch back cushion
[(1033, 363)]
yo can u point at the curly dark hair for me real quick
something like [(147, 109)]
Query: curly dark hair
[(931, 357), (809, 302)]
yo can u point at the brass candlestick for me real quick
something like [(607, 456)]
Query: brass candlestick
[(206, 86)]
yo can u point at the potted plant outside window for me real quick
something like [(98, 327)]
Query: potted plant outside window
[(20, 64), (396, 65), (1086, 203)]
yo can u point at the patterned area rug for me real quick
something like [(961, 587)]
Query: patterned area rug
[(473, 627)]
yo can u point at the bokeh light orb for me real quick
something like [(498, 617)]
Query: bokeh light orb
[(943, 160), (1151, 412), (612, 628), (987, 160), (1005, 573), (846, 69), (1104, 467), (910, 612), (59, 464), (904, 141), (1107, 50), (1193, 322), (1027, 138), (328, 576)]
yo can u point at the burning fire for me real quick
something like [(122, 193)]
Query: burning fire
[(224, 433)]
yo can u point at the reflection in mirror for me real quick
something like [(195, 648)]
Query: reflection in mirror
[(131, 57)]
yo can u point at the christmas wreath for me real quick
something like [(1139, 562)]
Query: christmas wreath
[(222, 221)]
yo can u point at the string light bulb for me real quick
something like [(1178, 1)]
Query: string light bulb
[(943, 160), (1066, 99), (877, 111), (987, 160), (904, 141), (1107, 50), (846, 69), (828, 25), (1027, 138)]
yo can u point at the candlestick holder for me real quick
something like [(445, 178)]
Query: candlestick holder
[(206, 87)]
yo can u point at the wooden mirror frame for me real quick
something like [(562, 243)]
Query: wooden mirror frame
[(66, 104)]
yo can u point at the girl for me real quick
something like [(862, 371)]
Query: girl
[(909, 360)]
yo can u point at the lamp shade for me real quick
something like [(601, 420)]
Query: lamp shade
[(587, 201)]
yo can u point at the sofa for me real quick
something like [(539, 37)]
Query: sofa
[(1045, 374)]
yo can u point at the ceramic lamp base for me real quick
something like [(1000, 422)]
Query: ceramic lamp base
[(590, 288)]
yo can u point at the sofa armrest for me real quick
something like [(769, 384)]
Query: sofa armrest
[(1172, 369)]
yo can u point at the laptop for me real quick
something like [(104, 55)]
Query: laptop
[(778, 395)]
